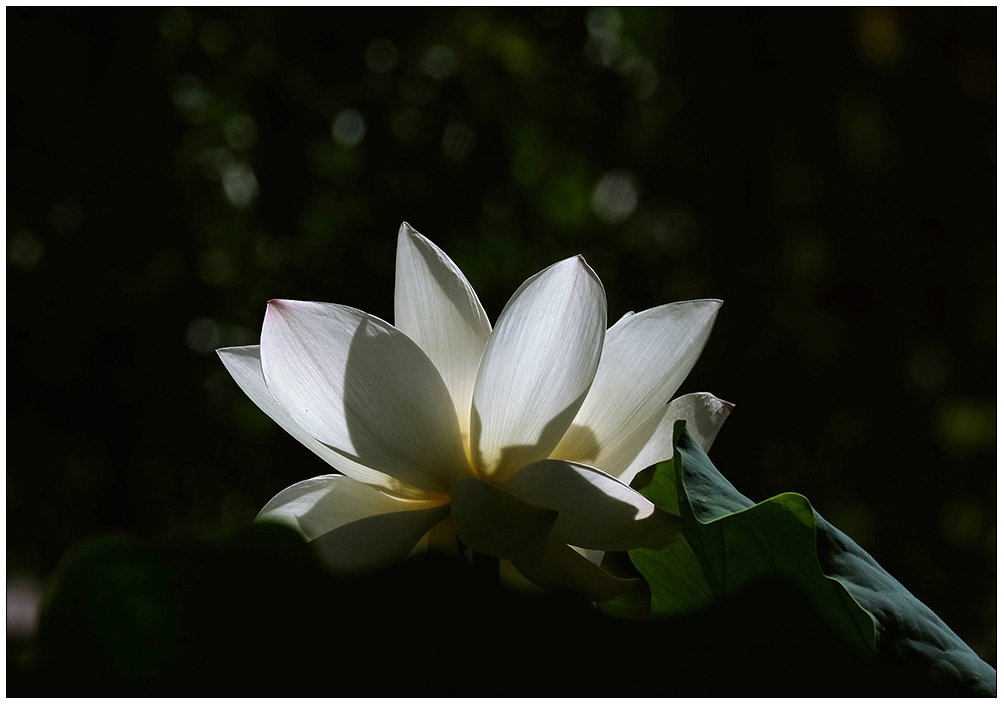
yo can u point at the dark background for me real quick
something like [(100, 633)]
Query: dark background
[(829, 174)]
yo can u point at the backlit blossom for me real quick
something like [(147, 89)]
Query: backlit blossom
[(521, 439)]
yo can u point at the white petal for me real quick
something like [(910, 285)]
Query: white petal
[(595, 511), (352, 526), (244, 364), (437, 308), (492, 521), (646, 357), (357, 384), (537, 367), (653, 442), (594, 555), (562, 569)]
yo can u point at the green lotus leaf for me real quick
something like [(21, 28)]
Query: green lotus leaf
[(729, 542)]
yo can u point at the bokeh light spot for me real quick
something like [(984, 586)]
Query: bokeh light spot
[(348, 128), (604, 19), (439, 61), (516, 52), (966, 426), (615, 197), (604, 44), (24, 250), (189, 95), (879, 36), (24, 596), (239, 184), (642, 74)]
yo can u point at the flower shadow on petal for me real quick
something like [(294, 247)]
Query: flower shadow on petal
[(492, 521), (617, 457), (375, 542), (587, 444), (516, 456), (426, 451), (589, 515)]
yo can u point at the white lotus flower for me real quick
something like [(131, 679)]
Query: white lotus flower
[(522, 440)]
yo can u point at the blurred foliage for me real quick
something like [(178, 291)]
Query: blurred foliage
[(830, 174), (247, 613)]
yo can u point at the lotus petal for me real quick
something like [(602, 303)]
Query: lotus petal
[(352, 526), (595, 511), (494, 522), (357, 384), (646, 357), (653, 442), (437, 308), (537, 367), (244, 364), (562, 569)]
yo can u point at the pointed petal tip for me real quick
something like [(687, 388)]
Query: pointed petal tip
[(407, 233), (408, 230), (712, 301), (274, 309), (579, 262), (237, 350), (572, 260), (575, 264), (284, 306)]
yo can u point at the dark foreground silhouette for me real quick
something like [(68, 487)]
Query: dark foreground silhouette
[(248, 613)]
